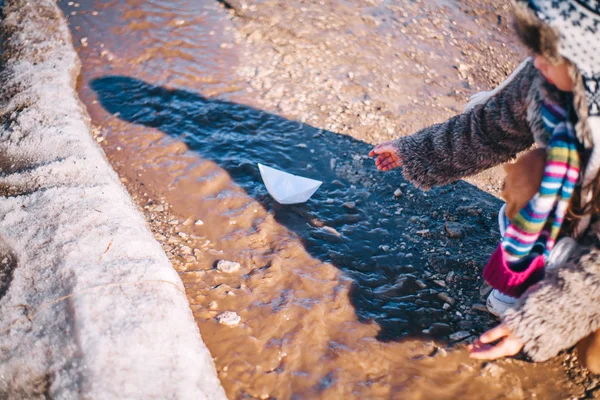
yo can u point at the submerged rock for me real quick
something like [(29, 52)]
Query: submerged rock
[(229, 318), (228, 266), (454, 229), (460, 335)]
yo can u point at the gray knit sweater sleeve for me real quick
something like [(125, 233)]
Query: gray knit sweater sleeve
[(487, 135), (562, 308)]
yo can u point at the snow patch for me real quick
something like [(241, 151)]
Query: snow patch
[(90, 306)]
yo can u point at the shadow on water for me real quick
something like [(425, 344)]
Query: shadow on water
[(391, 247)]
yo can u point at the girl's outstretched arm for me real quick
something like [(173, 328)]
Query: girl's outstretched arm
[(486, 135)]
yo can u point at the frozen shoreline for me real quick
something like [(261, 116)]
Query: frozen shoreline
[(89, 303)]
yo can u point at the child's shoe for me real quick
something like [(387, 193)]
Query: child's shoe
[(497, 303), (563, 249), (503, 221)]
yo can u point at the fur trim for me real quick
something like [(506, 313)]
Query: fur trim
[(562, 309), (483, 97), (535, 34)]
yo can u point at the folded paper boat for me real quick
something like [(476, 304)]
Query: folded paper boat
[(287, 188)]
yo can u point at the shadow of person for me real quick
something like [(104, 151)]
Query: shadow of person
[(393, 248)]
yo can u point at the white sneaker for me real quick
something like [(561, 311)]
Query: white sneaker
[(497, 303), (563, 249)]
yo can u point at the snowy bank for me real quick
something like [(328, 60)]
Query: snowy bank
[(90, 306)]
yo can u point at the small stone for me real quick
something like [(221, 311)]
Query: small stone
[(446, 307), (398, 193), (84, 42), (454, 229), (385, 247), (213, 305), (350, 205), (228, 266), (446, 298), (439, 329), (185, 250), (493, 370), (173, 222), (441, 352), (229, 318), (440, 283), (423, 232), (199, 222), (479, 307), (460, 335), (485, 290)]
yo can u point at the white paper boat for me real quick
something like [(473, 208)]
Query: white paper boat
[(287, 188)]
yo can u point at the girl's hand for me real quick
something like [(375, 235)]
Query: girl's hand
[(508, 346), (387, 156)]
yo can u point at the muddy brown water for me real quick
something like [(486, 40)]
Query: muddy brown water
[(354, 294)]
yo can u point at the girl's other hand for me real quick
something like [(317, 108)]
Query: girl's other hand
[(508, 346), (388, 156)]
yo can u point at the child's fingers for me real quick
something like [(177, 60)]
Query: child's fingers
[(495, 333), (389, 167), (382, 158), (507, 347), (390, 163), (382, 148)]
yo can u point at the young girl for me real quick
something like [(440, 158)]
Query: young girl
[(564, 76)]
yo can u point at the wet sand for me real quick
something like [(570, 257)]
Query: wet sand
[(358, 293)]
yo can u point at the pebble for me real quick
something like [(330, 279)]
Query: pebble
[(493, 370), (446, 307), (454, 229), (485, 290), (350, 205), (439, 329), (460, 335), (199, 222), (479, 307), (398, 193), (420, 284), (185, 250), (440, 283), (213, 305), (229, 318), (446, 298), (228, 266)]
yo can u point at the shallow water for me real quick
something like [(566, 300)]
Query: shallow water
[(339, 297)]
